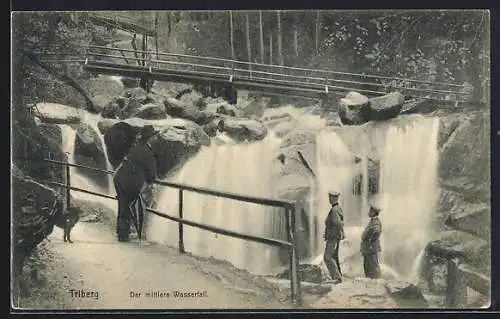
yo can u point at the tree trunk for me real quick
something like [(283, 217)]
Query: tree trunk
[(67, 79), (280, 52), (271, 48), (261, 38), (249, 49), (156, 36), (232, 34), (295, 38), (134, 46), (317, 32)]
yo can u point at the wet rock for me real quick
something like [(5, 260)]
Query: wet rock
[(105, 124), (356, 294), (112, 110), (130, 82), (151, 111), (89, 151), (241, 129), (119, 138), (354, 109), (56, 113), (457, 244), (179, 139), (406, 295), (101, 102), (179, 109), (306, 272), (256, 107), (474, 219), (386, 107)]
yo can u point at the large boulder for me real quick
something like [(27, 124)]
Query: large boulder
[(151, 111), (241, 129), (473, 218), (177, 108), (456, 244), (101, 102), (354, 109), (57, 113), (406, 295), (105, 124), (178, 140), (255, 107), (89, 151), (119, 138), (386, 107)]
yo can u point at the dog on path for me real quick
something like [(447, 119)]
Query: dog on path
[(67, 221)]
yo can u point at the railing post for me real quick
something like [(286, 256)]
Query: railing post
[(295, 257), (290, 252), (456, 292), (181, 226), (68, 185)]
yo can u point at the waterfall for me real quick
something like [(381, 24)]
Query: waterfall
[(408, 189), (79, 180), (237, 168), (407, 150)]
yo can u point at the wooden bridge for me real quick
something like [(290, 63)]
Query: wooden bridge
[(264, 78)]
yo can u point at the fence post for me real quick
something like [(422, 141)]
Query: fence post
[(68, 184), (293, 278), (456, 292), (295, 257), (181, 226)]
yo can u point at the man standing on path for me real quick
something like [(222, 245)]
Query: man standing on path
[(370, 244), (137, 170), (334, 233)]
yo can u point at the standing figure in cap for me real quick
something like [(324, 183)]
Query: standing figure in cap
[(370, 244), (137, 170), (334, 233)]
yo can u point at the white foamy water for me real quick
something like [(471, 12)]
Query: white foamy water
[(408, 193), (78, 179), (237, 168)]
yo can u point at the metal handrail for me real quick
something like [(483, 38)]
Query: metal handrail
[(289, 207)]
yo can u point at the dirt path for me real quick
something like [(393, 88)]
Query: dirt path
[(125, 276)]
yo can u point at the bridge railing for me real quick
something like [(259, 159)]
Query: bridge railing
[(323, 80), (289, 209), (459, 277)]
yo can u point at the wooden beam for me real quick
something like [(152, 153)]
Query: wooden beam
[(475, 280), (120, 23)]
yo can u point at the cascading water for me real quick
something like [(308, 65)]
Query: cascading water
[(408, 189), (407, 150), (237, 168), (77, 179)]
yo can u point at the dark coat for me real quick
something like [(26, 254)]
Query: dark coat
[(334, 224), (370, 240), (137, 168)]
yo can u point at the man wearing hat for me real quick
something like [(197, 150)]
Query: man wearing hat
[(334, 233), (137, 169), (370, 244)]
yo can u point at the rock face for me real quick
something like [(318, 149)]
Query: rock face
[(35, 207), (354, 109), (89, 152), (386, 107), (241, 129)]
